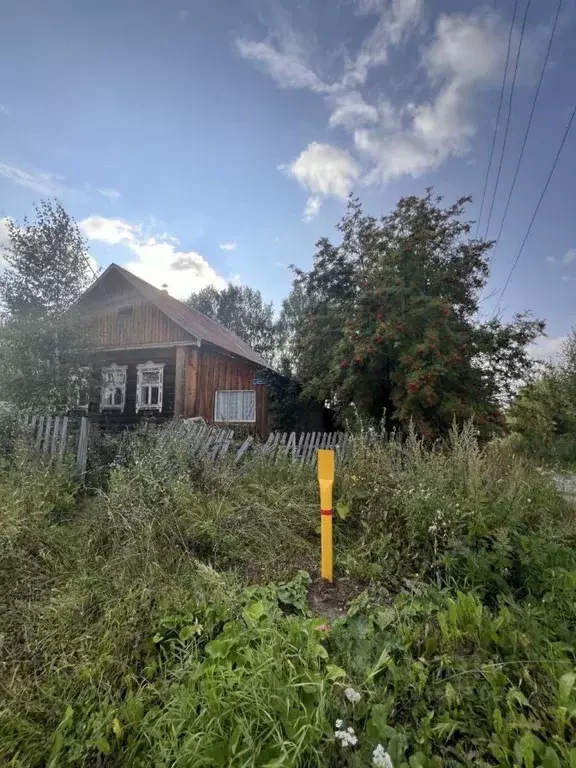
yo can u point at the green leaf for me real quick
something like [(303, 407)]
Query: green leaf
[(319, 650), (103, 745), (381, 664), (219, 649), (335, 673), (565, 687), (188, 631), (342, 510), (254, 612), (550, 759), (527, 749)]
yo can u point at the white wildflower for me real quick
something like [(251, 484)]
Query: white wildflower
[(346, 738), (352, 695), (381, 758), (338, 724)]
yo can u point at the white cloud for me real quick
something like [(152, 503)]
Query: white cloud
[(565, 278), (157, 258), (228, 246), (111, 231), (4, 110), (111, 194), (412, 136), (325, 170), (550, 259), (44, 183), (569, 256), (313, 205), (397, 19), (350, 110), (285, 59), (547, 347)]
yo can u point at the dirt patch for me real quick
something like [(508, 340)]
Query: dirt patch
[(331, 600)]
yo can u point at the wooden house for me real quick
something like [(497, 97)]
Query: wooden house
[(151, 356)]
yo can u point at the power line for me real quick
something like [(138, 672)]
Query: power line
[(566, 132), (497, 116), (527, 129), (508, 118)]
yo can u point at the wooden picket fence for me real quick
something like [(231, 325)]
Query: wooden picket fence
[(216, 443), (55, 435)]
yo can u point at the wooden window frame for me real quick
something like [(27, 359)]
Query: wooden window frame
[(217, 396), (141, 369), (123, 369)]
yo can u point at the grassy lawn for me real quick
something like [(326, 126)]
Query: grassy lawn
[(162, 619)]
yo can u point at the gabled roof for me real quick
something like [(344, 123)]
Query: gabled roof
[(192, 321)]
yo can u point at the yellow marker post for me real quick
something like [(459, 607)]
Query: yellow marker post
[(326, 482)]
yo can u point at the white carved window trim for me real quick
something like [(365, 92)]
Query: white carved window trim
[(235, 405), (144, 391), (118, 373)]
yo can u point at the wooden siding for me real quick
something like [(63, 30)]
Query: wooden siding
[(146, 325), (218, 371)]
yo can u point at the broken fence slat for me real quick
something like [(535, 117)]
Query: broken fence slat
[(47, 432), (227, 443), (218, 443), (243, 448), (291, 444)]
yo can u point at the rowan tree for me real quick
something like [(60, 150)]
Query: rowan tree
[(392, 320)]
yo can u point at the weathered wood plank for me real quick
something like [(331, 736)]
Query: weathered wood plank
[(63, 438), (227, 443), (47, 433), (304, 447), (82, 449), (55, 435), (243, 448), (40, 431), (291, 444), (311, 446)]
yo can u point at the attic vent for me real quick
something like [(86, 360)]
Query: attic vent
[(126, 311)]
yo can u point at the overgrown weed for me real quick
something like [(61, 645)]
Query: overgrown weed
[(140, 625)]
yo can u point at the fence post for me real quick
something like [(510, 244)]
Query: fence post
[(82, 450)]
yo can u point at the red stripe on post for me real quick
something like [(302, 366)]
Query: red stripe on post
[(327, 512)]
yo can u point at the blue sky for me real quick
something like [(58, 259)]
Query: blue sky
[(200, 143)]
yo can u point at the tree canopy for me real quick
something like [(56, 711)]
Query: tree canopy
[(242, 310), (388, 320), (41, 338)]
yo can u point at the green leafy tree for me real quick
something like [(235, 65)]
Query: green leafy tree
[(545, 408), (242, 310), (390, 320), (41, 338)]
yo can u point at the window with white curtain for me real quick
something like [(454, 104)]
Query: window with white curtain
[(150, 383), (235, 405), (113, 388)]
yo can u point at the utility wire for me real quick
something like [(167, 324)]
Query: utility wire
[(555, 163), (527, 129), (497, 117), (507, 118)]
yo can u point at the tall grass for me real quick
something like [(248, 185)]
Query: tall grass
[(157, 620)]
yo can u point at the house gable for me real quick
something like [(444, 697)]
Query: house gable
[(120, 317)]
